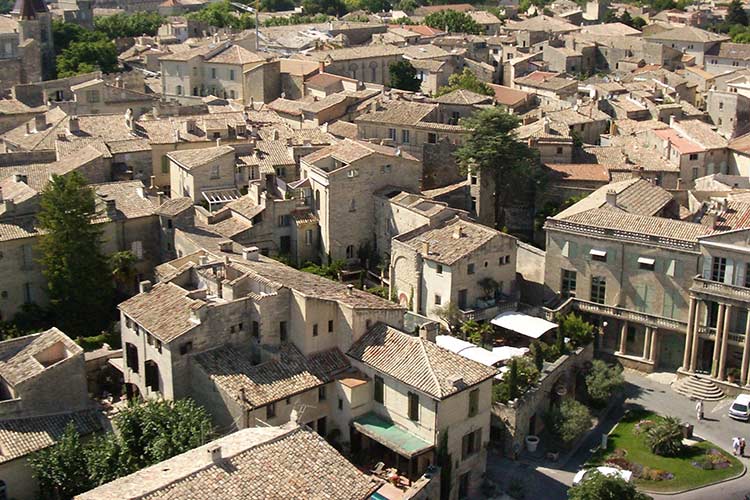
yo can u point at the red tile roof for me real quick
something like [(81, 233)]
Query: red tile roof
[(683, 145)]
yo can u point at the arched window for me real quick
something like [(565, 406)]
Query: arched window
[(152, 376)]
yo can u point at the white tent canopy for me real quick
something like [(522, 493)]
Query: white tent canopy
[(468, 350), (524, 324)]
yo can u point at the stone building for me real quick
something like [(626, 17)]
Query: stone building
[(205, 175), (367, 64), (688, 40), (454, 262)]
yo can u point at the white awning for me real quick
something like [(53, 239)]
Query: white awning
[(468, 350), (597, 253), (646, 260), (524, 324), (507, 352)]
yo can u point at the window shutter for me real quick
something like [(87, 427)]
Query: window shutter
[(706, 267), (729, 274), (566, 249), (671, 268), (741, 269), (573, 249)]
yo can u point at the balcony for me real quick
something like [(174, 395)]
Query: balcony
[(715, 289), (709, 333), (485, 310), (642, 318)]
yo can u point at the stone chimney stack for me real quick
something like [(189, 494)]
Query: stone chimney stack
[(144, 286), (429, 331), (350, 289), (40, 122), (425, 247), (458, 232), (611, 198), (73, 124), (214, 453), (251, 253)]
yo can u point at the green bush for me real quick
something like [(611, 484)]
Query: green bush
[(602, 382), (600, 487), (526, 376), (567, 422), (664, 438), (579, 331)]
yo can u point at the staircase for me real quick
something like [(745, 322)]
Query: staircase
[(698, 388)]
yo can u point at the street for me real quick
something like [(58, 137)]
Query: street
[(650, 392)]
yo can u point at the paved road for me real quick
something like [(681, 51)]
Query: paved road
[(653, 393)]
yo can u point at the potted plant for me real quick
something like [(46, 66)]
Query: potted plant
[(531, 443), (733, 374)]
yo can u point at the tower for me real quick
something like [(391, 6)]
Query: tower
[(35, 23)]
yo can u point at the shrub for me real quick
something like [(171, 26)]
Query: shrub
[(664, 438), (602, 382), (568, 421), (599, 486), (575, 328), (526, 377)]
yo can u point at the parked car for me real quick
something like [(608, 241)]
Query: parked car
[(584, 474), (740, 408)]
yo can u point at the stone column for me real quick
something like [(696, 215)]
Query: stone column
[(652, 353), (689, 335), (623, 337), (717, 341), (745, 351), (724, 342), (695, 335), (646, 342)]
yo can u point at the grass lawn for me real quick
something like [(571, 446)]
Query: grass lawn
[(686, 475)]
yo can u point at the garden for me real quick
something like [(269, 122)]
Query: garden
[(651, 447)]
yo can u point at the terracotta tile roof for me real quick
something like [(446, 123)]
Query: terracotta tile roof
[(18, 360), (635, 196), (545, 80), (343, 129), (741, 144), (257, 463), (348, 151), (417, 52), (736, 215), (508, 96), (128, 202), (399, 113), (164, 311), (687, 34), (731, 51), (579, 171), (234, 54), (701, 133), (261, 384), (429, 9), (541, 23), (20, 437), (682, 144), (352, 53), (484, 17), (194, 158), (464, 97), (325, 81), (417, 362), (18, 228), (174, 206)]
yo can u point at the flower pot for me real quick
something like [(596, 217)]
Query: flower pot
[(531, 443)]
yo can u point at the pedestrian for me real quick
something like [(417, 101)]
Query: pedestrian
[(742, 447), (735, 446), (699, 409)]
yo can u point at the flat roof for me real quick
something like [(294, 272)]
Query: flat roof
[(390, 435)]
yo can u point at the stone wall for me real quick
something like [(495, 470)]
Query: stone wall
[(439, 166)]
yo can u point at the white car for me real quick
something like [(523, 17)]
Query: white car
[(740, 408), (584, 474)]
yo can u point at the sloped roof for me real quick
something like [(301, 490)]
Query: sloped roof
[(687, 34), (17, 356), (417, 362), (164, 311), (193, 158), (636, 196), (462, 96)]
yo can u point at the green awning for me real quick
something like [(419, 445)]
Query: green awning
[(391, 436)]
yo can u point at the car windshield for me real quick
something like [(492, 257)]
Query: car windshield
[(739, 407)]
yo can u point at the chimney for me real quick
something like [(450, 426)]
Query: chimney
[(456, 381), (140, 192), (214, 453), (61, 135), (611, 198), (40, 122), (637, 172), (251, 253), (671, 121), (425, 247), (321, 67), (203, 260), (225, 245), (458, 232), (119, 83), (275, 135), (153, 182), (20, 178), (350, 289), (428, 331), (218, 142), (144, 286), (712, 218), (28, 128)]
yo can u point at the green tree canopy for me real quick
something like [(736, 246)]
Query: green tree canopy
[(452, 21), (126, 25), (85, 57), (78, 283), (222, 15), (328, 7), (602, 382), (600, 487), (466, 80), (578, 330), (375, 6), (404, 76), (567, 422), (61, 469), (493, 149), (276, 5), (477, 333), (736, 13)]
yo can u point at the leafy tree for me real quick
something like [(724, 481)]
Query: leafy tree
[(526, 377), (493, 148), (404, 76), (329, 7), (64, 34), (736, 13), (61, 469), (6, 6), (579, 331), (611, 16), (330, 271), (105, 459), (664, 438), (276, 5), (466, 80), (294, 19), (538, 352), (513, 380), (602, 382), (451, 315), (567, 422), (452, 21), (477, 333), (560, 345), (126, 25), (375, 6), (639, 23), (85, 57), (72, 262), (598, 486), (222, 15), (122, 265), (407, 6)]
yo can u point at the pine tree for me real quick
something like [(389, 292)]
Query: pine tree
[(736, 13), (79, 281), (513, 380)]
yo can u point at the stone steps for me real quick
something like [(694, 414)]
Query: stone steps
[(698, 388)]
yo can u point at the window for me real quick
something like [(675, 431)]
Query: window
[(330, 326), (718, 268), (471, 443), (568, 285), (646, 264), (470, 269), (256, 329), (322, 393), (463, 483), (405, 136), (473, 180), (747, 276), (164, 165), (438, 300), (232, 94), (473, 402), (598, 289), (27, 296), (694, 156), (137, 248), (439, 269), (283, 220), (721, 105), (695, 173), (379, 386), (179, 90), (131, 357), (315, 330), (341, 404), (353, 205), (271, 410), (213, 72), (152, 376), (128, 323), (26, 257), (350, 252), (559, 150), (93, 96), (282, 331), (598, 255), (392, 134), (503, 260), (385, 169), (186, 347), (413, 406), (231, 74), (308, 237), (431, 138), (215, 171)]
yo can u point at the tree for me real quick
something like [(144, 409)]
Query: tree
[(602, 382), (85, 57), (579, 331), (466, 80), (79, 292), (736, 13), (452, 21), (122, 265), (639, 23), (404, 76), (222, 15), (513, 380), (567, 422), (276, 5), (451, 315), (493, 149), (128, 25), (61, 469), (64, 34), (598, 486), (477, 333), (375, 6), (664, 438), (538, 352), (328, 7), (516, 384)]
